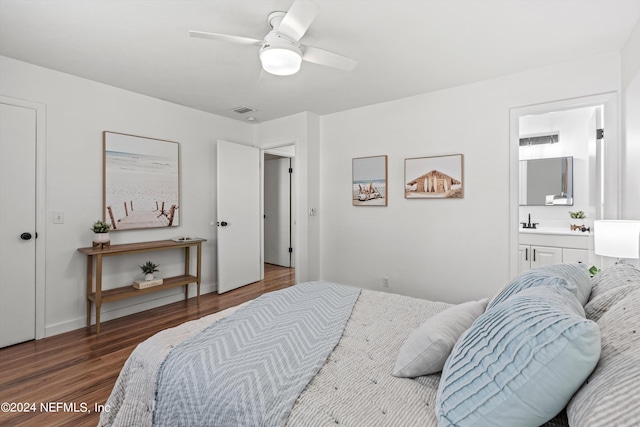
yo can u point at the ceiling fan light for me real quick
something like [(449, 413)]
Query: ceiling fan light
[(280, 60)]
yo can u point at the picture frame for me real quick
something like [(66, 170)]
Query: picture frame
[(141, 182), (369, 181), (434, 177)]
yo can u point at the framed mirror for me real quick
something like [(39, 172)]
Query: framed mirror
[(546, 182)]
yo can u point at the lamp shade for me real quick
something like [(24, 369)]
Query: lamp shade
[(617, 238)]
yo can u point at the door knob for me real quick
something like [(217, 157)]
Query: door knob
[(25, 236), (224, 223)]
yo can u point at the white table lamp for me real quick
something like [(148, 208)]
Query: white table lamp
[(617, 238)]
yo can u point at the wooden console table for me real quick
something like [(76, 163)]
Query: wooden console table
[(95, 255)]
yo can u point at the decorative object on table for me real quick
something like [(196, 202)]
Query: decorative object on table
[(148, 269), (617, 238), (101, 234), (143, 284), (369, 185), (577, 222), (186, 239), (436, 177), (131, 199)]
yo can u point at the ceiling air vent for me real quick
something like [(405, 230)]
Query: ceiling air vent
[(243, 110), (540, 139)]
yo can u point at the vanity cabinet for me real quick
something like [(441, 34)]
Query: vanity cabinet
[(542, 248), (575, 255), (535, 256)]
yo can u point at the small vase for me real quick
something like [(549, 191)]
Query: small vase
[(148, 276), (100, 237)]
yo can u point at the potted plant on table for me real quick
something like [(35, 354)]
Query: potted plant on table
[(148, 269), (100, 231)]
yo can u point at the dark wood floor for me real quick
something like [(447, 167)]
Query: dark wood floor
[(80, 368)]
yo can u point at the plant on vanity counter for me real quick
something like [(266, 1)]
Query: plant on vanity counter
[(578, 214)]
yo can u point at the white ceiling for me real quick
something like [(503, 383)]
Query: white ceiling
[(404, 47)]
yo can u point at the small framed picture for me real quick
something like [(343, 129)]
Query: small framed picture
[(369, 186), (436, 177)]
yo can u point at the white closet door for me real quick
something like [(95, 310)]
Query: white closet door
[(18, 224)]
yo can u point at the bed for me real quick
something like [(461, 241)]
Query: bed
[(359, 383)]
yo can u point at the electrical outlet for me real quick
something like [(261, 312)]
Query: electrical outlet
[(385, 282), (58, 217)]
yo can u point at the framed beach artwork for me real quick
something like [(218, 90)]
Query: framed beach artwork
[(369, 185), (436, 177), (141, 182)]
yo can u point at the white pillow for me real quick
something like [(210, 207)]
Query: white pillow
[(428, 346)]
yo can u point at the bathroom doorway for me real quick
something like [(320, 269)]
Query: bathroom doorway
[(565, 129)]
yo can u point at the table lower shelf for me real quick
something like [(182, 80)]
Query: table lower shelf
[(129, 291)]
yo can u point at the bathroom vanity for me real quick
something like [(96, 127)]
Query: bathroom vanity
[(543, 246)]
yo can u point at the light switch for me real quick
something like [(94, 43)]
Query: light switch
[(58, 217)]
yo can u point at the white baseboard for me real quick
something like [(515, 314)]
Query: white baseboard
[(106, 314)]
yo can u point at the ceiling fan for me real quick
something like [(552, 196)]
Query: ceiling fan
[(280, 51)]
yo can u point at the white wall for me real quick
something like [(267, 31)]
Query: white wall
[(449, 250), (77, 112), (631, 125)]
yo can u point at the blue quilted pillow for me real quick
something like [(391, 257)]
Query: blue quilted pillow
[(520, 362), (573, 276)]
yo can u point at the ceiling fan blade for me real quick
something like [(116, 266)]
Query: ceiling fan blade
[(329, 59), (226, 38), (298, 19)]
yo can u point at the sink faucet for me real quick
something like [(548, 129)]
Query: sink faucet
[(529, 224)]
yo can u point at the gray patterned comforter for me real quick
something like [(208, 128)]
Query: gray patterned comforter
[(354, 387), (248, 369)]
